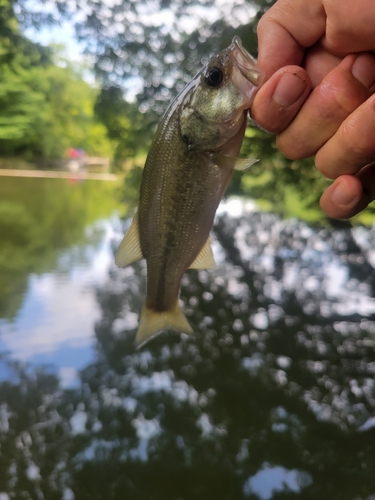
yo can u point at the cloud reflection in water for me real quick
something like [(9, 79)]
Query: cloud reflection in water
[(275, 398)]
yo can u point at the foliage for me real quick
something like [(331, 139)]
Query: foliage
[(12, 41), (158, 47), (71, 121), (21, 99), (21, 105), (129, 129), (152, 48), (292, 188), (45, 109)]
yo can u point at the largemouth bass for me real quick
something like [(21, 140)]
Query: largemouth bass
[(186, 173)]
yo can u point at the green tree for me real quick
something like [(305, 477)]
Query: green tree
[(45, 109), (69, 119), (12, 41), (157, 48), (21, 98), (153, 49), (21, 107), (129, 129)]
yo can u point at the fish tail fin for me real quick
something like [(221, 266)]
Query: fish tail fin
[(153, 322)]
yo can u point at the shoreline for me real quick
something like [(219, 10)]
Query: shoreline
[(55, 174)]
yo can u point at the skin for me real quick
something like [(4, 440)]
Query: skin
[(318, 99)]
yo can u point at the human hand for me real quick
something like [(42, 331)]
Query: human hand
[(323, 46)]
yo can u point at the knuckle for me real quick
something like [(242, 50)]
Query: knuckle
[(291, 147), (335, 37), (336, 25), (262, 23), (361, 146), (266, 22), (275, 15), (337, 101)]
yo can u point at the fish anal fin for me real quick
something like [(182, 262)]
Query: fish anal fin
[(153, 322), (232, 162), (129, 250), (205, 258)]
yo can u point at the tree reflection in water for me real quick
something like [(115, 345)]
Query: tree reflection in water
[(275, 397)]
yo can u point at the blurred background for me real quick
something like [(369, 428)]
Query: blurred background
[(275, 397)]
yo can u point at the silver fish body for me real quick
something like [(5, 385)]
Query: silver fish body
[(187, 170)]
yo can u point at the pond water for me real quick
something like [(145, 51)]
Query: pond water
[(274, 398)]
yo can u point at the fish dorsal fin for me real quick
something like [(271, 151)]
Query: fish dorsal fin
[(205, 258), (129, 250), (232, 162)]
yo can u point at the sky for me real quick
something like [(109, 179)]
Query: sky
[(236, 12), (63, 35)]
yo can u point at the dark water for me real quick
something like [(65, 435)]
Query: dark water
[(273, 399)]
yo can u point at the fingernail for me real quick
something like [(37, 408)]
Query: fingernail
[(363, 70), (289, 89), (342, 196)]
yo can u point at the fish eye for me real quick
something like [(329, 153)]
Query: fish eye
[(214, 76)]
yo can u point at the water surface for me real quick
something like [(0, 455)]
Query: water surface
[(274, 398)]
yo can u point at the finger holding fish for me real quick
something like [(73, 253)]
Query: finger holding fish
[(280, 98)]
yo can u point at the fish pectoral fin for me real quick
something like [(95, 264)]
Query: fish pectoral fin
[(129, 250), (232, 162), (153, 322), (205, 258)]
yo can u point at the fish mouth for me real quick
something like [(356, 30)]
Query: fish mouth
[(245, 62)]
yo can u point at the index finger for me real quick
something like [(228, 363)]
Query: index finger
[(286, 30)]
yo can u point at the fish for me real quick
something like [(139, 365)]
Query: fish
[(189, 165)]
